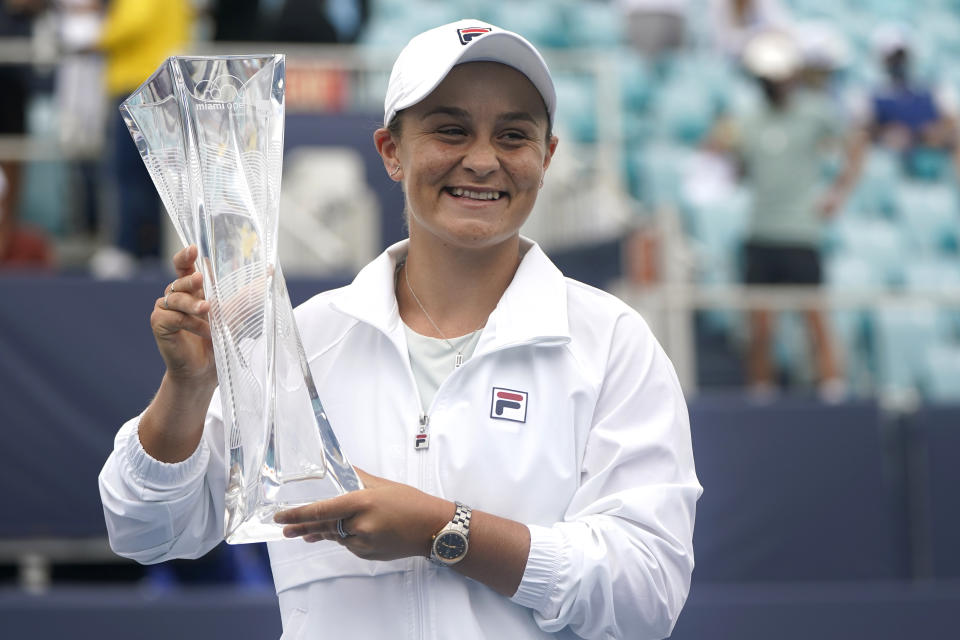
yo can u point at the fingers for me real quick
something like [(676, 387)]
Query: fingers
[(167, 321), (323, 511), (182, 302), (318, 520), (183, 260), (191, 284), (325, 530)]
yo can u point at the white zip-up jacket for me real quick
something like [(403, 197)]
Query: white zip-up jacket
[(596, 461)]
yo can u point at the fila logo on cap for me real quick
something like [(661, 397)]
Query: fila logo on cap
[(509, 404), (468, 34)]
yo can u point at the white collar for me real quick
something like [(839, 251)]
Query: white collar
[(532, 309)]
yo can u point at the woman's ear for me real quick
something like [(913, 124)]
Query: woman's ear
[(389, 151), (551, 149)]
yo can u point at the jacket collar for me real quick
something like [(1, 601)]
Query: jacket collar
[(533, 309)]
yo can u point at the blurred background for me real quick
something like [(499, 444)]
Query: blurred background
[(825, 408)]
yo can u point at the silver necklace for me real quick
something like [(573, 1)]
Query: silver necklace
[(459, 360)]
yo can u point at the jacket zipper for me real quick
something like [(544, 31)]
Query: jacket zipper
[(422, 442)]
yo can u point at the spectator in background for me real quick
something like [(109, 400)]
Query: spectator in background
[(137, 36), (304, 21), (19, 246), (734, 22), (905, 115), (81, 113), (237, 20), (825, 52), (316, 21), (348, 18), (780, 147), (655, 27)]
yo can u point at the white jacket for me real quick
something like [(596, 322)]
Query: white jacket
[(600, 469)]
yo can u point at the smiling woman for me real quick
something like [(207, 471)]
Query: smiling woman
[(459, 365), (472, 155)]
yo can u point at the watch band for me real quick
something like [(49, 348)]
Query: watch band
[(461, 517), (458, 527)]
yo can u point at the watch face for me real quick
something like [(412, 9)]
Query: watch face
[(450, 546)]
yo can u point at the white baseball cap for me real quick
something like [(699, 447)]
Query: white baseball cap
[(773, 55), (429, 57)]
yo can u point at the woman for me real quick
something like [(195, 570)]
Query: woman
[(543, 404)]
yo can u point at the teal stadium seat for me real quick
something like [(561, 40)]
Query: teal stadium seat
[(394, 22), (577, 114), (936, 274), (655, 172), (538, 21), (879, 242), (941, 376), (717, 231), (595, 24), (903, 338), (876, 191), (851, 327), (929, 216), (685, 110), (637, 84)]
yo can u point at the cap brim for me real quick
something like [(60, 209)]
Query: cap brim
[(499, 46)]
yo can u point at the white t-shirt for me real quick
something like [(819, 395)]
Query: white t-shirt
[(432, 359)]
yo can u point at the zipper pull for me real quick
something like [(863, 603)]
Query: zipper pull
[(422, 439)]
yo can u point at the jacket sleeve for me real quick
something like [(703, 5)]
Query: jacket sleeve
[(156, 511), (619, 564)]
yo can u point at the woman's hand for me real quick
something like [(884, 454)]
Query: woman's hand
[(172, 426), (180, 327), (384, 521)]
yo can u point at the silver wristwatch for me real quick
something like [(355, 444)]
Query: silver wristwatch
[(450, 544)]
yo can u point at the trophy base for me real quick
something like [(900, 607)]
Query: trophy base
[(257, 524), (260, 528)]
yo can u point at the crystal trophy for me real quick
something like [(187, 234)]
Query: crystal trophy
[(210, 131)]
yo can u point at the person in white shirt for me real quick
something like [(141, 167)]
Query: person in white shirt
[(522, 438)]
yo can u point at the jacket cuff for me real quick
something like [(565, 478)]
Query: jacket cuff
[(544, 564), (155, 476)]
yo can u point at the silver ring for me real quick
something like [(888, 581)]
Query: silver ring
[(343, 534), (165, 303)]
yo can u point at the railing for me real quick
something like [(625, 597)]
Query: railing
[(370, 67), (669, 306)]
